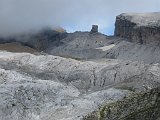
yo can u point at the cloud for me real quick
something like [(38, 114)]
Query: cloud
[(18, 16)]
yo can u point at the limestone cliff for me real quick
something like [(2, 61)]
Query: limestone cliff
[(141, 28)]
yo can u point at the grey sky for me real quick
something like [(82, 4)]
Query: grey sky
[(22, 15)]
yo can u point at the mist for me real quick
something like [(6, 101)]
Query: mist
[(17, 16)]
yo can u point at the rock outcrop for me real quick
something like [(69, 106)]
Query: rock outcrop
[(143, 28), (94, 29)]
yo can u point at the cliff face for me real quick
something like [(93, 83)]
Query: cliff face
[(139, 28)]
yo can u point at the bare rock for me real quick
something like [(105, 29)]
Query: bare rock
[(44, 38), (94, 29), (141, 28)]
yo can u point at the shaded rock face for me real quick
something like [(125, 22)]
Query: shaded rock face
[(44, 38), (139, 28), (94, 29)]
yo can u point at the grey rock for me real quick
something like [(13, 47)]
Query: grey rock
[(94, 29), (41, 40), (143, 28), (70, 93), (80, 45), (86, 46), (135, 52)]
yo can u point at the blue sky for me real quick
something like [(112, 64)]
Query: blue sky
[(18, 16)]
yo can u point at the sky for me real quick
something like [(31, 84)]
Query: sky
[(17, 16)]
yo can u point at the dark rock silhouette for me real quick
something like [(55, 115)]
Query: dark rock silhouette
[(94, 29)]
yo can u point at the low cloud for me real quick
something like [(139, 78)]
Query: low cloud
[(18, 16)]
